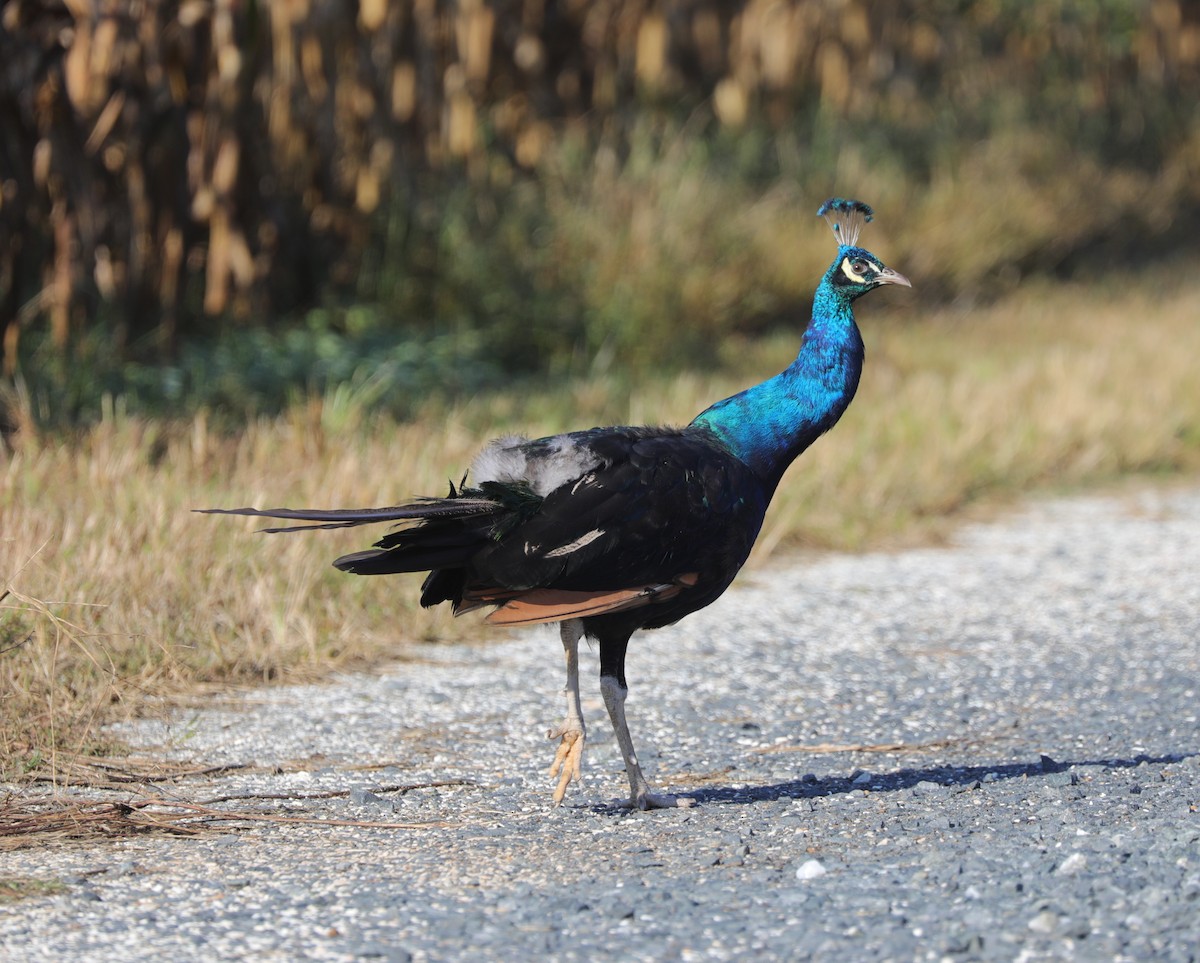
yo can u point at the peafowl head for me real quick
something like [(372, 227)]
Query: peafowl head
[(855, 271)]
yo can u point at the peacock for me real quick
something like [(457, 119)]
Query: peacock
[(611, 530)]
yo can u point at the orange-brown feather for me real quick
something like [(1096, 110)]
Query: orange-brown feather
[(557, 605)]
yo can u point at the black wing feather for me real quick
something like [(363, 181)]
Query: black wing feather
[(655, 505), (664, 503), (351, 517)]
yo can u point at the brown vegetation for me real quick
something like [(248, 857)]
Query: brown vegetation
[(166, 164)]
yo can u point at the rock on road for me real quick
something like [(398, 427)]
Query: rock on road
[(989, 751)]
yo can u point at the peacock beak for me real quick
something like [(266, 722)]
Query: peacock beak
[(888, 276)]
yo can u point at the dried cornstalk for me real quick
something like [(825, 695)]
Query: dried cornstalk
[(212, 157)]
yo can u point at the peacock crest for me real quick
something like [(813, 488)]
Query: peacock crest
[(846, 218)]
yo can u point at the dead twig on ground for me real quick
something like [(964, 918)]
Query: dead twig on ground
[(28, 822)]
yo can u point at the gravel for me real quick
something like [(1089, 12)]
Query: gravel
[(1030, 694)]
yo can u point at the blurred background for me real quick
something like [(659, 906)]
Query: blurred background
[(315, 252), (226, 202)]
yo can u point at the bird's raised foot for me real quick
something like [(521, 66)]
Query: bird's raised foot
[(568, 759), (658, 800)]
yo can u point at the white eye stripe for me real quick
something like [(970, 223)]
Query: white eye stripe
[(850, 272)]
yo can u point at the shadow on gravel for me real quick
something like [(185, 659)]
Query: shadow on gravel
[(937, 778), (949, 777)]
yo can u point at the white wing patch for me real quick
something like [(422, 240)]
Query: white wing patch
[(502, 460), (543, 465), (576, 545)]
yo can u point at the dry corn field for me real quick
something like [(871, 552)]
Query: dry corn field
[(200, 161), (116, 592)]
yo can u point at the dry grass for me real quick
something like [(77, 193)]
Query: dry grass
[(14, 888), (116, 590), (27, 821)]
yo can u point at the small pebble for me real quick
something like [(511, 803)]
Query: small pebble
[(1044, 923), (364, 797), (810, 869), (1049, 764), (1071, 865)]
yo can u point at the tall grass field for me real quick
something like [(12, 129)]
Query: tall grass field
[(114, 591)]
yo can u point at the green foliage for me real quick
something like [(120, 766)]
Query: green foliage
[(344, 355)]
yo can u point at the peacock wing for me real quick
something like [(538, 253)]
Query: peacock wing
[(657, 506)]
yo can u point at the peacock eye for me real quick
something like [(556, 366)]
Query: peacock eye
[(859, 266)]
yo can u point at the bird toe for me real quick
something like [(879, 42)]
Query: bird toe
[(656, 800), (568, 760)]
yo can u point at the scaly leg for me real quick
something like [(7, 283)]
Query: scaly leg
[(640, 795), (569, 757)]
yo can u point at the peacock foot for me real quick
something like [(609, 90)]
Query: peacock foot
[(568, 759), (658, 800)]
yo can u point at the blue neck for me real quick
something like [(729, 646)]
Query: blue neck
[(769, 425)]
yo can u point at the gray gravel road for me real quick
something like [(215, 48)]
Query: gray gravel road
[(1042, 678)]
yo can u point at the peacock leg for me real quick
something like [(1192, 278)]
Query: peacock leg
[(569, 757), (640, 796)]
